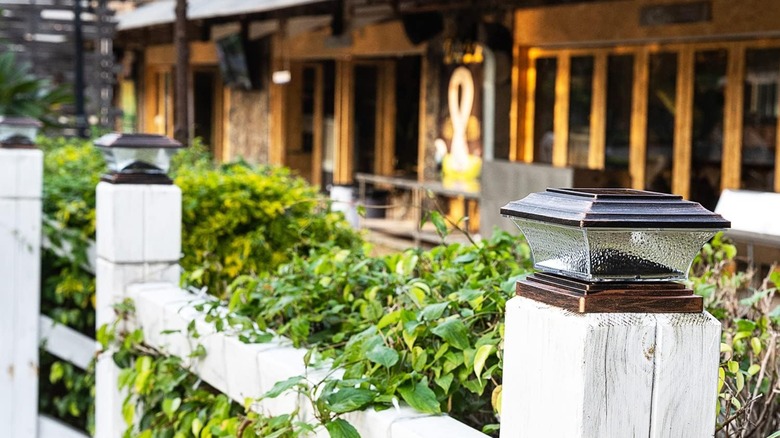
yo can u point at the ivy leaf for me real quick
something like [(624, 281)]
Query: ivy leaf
[(444, 381), (350, 399), (170, 406), (454, 332), (339, 428), (283, 386), (432, 312), (383, 355), (479, 360), (420, 397)]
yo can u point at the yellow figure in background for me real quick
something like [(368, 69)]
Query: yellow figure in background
[(459, 167)]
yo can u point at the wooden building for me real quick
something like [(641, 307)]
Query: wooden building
[(673, 96), (335, 87), (681, 94)]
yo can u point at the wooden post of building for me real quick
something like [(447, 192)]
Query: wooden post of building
[(181, 131), (21, 182), (138, 240)]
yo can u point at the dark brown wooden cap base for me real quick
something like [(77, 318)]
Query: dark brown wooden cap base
[(136, 178), (608, 297)]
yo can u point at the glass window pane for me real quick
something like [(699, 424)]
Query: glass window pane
[(580, 96), (660, 121), (544, 106), (620, 83), (708, 103), (762, 71)]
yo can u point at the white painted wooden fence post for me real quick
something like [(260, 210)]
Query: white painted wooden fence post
[(138, 240), (21, 182), (608, 374)]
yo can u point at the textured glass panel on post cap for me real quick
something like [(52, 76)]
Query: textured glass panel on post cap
[(612, 250), (137, 158), (18, 132)]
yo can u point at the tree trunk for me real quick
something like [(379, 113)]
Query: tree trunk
[(181, 130)]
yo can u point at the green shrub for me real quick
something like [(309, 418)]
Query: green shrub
[(236, 220), (240, 220), (749, 375)]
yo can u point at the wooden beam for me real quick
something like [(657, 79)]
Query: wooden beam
[(227, 147), (386, 118), (278, 97), (530, 104), (344, 115), (319, 124), (638, 150), (561, 111), (732, 124), (598, 112), (518, 106), (422, 116), (683, 123)]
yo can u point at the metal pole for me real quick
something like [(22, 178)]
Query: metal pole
[(78, 86)]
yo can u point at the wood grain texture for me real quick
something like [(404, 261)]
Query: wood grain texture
[(607, 375), (20, 270), (687, 351)]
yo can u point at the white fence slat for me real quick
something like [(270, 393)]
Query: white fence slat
[(7, 314), (231, 370), (20, 240), (685, 387), (27, 305), (66, 343), (51, 428)]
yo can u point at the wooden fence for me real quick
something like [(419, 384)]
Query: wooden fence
[(565, 374)]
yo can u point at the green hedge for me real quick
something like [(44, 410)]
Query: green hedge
[(236, 219)]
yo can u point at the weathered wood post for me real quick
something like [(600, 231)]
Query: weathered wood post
[(138, 240), (21, 184), (602, 342)]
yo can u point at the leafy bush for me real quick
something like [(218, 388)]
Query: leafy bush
[(233, 215), (423, 326), (243, 220), (749, 376)]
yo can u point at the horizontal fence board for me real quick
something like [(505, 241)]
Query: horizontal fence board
[(248, 370), (50, 428), (66, 343)]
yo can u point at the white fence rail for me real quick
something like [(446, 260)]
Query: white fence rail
[(243, 370)]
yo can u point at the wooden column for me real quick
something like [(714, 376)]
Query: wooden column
[(598, 113), (278, 98), (518, 108), (138, 240), (21, 182), (732, 124), (638, 141), (530, 107), (561, 117), (344, 115), (683, 124), (608, 374)]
